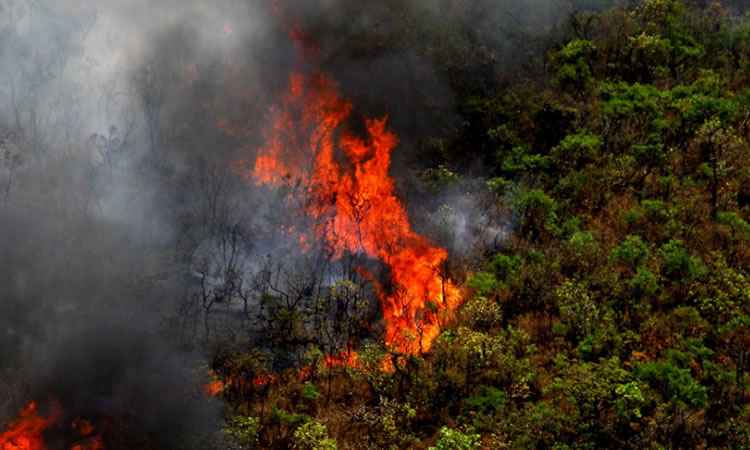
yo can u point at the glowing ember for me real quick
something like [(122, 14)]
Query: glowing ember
[(94, 443), (27, 432), (214, 388), (264, 379), (217, 385), (343, 359), (354, 204)]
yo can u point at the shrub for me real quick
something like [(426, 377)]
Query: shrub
[(483, 282), (489, 399), (482, 313), (310, 392), (582, 243), (577, 307), (632, 251), (243, 429), (505, 266), (677, 262), (451, 439), (739, 227), (674, 382), (576, 150), (536, 212), (629, 401), (644, 282), (313, 435)]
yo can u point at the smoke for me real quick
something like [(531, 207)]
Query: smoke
[(119, 122)]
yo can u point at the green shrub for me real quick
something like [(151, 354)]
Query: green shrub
[(484, 283), (644, 283), (577, 150), (739, 227), (536, 212), (505, 266), (629, 401), (677, 262), (482, 313), (583, 243), (632, 251), (243, 429), (451, 439), (489, 399), (313, 435), (674, 382), (310, 392)]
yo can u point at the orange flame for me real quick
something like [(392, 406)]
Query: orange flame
[(354, 205), (27, 432), (214, 388), (343, 359), (217, 386), (93, 443)]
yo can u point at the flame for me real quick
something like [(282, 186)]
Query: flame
[(354, 205), (214, 388), (343, 359), (27, 432), (218, 385), (93, 443)]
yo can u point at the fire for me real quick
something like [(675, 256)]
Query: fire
[(343, 359), (354, 205), (217, 385), (265, 379), (93, 443), (27, 432), (214, 388)]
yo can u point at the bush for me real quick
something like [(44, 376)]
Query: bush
[(677, 262), (674, 382), (573, 63), (644, 283), (484, 283), (313, 435), (632, 251), (577, 150), (310, 392), (451, 439), (740, 229), (505, 266), (536, 212), (243, 429), (629, 401), (488, 400)]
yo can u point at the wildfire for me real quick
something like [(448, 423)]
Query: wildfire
[(27, 432), (214, 388), (217, 385), (343, 359), (354, 204), (87, 431)]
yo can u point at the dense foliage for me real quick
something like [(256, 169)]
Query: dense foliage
[(617, 313)]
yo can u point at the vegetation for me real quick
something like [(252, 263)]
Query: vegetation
[(616, 316), (605, 290)]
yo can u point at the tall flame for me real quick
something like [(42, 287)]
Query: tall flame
[(27, 431), (351, 199)]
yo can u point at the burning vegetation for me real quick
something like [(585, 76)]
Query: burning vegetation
[(425, 224), (32, 430), (350, 197)]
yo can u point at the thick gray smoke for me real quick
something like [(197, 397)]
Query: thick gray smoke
[(119, 121)]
